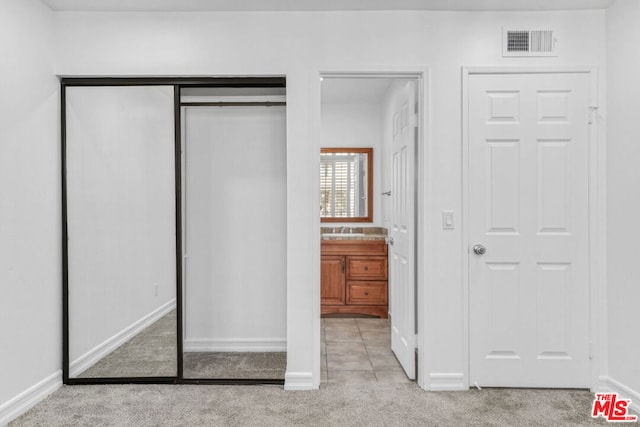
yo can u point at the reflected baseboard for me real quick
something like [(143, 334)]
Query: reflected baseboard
[(234, 344), (94, 355)]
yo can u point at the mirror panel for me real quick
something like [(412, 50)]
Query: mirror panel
[(120, 182), (346, 184)]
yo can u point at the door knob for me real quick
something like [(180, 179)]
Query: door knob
[(479, 250), (390, 239)]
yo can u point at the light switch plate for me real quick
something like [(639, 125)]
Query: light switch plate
[(447, 220)]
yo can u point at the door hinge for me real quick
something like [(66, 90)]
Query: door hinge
[(413, 120), (415, 341), (593, 113)]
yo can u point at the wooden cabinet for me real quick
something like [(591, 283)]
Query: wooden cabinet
[(354, 277), (332, 279)]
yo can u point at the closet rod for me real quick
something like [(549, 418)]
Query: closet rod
[(232, 104)]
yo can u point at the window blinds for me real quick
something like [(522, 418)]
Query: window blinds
[(339, 185)]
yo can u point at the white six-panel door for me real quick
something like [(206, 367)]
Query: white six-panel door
[(401, 247), (528, 206)]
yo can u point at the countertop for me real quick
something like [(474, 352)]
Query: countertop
[(353, 233)]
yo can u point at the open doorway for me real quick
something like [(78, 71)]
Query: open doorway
[(234, 228), (369, 152)]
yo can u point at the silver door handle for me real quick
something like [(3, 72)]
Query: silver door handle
[(479, 250)]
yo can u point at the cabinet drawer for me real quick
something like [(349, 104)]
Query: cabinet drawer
[(367, 293), (370, 267)]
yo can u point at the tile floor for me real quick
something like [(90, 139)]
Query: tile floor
[(358, 350)]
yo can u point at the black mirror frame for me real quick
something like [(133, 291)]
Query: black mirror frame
[(177, 83)]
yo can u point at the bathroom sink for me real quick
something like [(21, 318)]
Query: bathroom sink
[(342, 234)]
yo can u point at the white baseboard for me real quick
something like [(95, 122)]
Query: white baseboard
[(609, 385), (235, 344), (298, 381), (91, 357), (27, 399), (447, 382)]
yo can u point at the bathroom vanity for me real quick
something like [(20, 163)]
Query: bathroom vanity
[(354, 273)]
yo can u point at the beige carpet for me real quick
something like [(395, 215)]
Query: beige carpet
[(152, 353), (255, 365), (332, 405), (335, 404)]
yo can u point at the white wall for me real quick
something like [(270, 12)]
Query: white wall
[(299, 44), (120, 210), (623, 197), (30, 272), (356, 125)]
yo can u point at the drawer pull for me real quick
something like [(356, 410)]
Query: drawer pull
[(366, 294), (366, 268)]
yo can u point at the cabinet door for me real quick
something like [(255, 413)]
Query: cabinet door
[(332, 290)]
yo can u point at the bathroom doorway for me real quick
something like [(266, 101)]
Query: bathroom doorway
[(368, 265)]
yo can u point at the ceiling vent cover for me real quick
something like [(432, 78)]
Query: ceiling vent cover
[(528, 42)]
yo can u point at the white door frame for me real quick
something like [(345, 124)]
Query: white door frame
[(423, 175), (597, 218)]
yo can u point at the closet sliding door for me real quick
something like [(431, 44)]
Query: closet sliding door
[(121, 231), (235, 239)]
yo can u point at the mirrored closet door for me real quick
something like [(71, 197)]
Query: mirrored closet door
[(174, 230), (121, 231)]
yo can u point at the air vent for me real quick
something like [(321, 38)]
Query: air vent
[(528, 42)]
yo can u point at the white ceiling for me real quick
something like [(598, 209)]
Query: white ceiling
[(321, 5)]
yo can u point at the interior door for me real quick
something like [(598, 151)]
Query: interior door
[(528, 213), (402, 235)]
